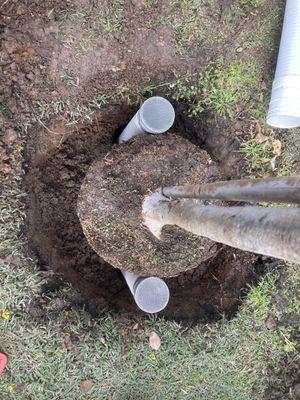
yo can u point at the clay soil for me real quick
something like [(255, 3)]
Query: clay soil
[(35, 56)]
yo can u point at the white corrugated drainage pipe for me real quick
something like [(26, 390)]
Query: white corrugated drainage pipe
[(156, 115), (284, 111)]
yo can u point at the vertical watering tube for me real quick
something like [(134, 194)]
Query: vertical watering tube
[(284, 111), (150, 294), (155, 116)]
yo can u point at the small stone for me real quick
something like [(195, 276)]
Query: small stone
[(10, 47), (12, 104), (3, 155), (58, 304), (122, 66), (114, 68), (13, 67), (270, 323), (154, 341), (280, 302), (7, 168), (35, 311), (4, 58), (64, 175), (135, 326), (139, 3), (296, 391), (21, 10), (30, 76), (70, 184), (86, 385), (13, 260), (9, 137)]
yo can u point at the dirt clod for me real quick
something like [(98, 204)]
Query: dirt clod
[(154, 341), (270, 323), (86, 385), (9, 137)]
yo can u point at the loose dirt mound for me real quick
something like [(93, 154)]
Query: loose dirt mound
[(53, 181)]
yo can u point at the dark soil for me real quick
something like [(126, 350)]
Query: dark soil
[(111, 198), (55, 174)]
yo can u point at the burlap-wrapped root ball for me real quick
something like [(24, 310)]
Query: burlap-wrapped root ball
[(111, 197)]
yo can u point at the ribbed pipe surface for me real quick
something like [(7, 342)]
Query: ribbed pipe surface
[(284, 110)]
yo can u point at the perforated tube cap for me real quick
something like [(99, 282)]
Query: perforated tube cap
[(156, 115), (151, 294)]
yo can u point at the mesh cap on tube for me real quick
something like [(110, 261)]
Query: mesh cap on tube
[(156, 115), (151, 294)]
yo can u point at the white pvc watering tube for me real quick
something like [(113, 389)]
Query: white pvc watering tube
[(284, 111), (155, 116), (150, 294)]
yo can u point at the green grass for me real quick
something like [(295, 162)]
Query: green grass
[(48, 109), (78, 112), (197, 26), (73, 114), (225, 87), (225, 90), (260, 297), (194, 24), (190, 27), (219, 88), (69, 78), (254, 3), (82, 27), (6, 110), (261, 158), (258, 155), (52, 358)]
